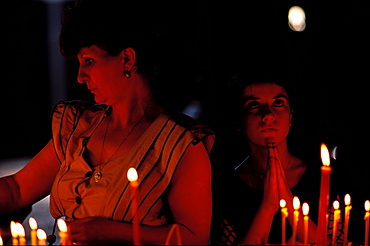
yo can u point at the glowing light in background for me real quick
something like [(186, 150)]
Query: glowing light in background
[(334, 152), (297, 19)]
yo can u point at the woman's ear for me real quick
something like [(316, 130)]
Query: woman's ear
[(129, 58), (291, 116)]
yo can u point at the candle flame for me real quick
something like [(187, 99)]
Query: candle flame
[(325, 157), (336, 204), (367, 205), (62, 226), (305, 208), (41, 234), (296, 203), (33, 223), (282, 203), (14, 229), (20, 229), (132, 174), (347, 199), (1, 240)]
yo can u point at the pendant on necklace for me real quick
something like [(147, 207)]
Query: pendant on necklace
[(97, 177)]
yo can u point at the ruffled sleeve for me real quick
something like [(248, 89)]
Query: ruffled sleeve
[(66, 118)]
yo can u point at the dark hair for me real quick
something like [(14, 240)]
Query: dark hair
[(112, 25)]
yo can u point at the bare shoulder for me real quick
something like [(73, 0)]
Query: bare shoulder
[(196, 155)]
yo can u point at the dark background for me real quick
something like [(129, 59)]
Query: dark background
[(327, 64)]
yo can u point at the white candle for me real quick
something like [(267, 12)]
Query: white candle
[(14, 231), (21, 234), (33, 225), (296, 206), (324, 197), (347, 202), (284, 215), (62, 226), (174, 227), (305, 210), (132, 177), (336, 221), (367, 222), (41, 236)]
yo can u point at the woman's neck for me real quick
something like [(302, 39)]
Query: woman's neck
[(130, 111)]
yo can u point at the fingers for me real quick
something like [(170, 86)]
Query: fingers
[(271, 145), (276, 171), (270, 180), (282, 183)]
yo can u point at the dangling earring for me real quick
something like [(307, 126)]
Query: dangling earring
[(127, 73)]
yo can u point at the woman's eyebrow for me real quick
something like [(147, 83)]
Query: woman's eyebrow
[(249, 98), (281, 95)]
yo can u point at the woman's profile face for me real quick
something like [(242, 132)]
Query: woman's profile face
[(266, 113), (103, 75)]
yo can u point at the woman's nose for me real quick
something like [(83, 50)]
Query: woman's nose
[(81, 76), (267, 115)]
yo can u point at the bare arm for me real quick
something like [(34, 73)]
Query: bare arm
[(30, 184), (189, 198)]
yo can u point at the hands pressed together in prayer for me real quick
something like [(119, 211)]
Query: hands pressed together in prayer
[(275, 185)]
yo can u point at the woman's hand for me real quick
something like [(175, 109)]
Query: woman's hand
[(272, 179), (260, 228), (92, 231), (282, 183)]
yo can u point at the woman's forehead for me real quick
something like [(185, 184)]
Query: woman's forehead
[(264, 89)]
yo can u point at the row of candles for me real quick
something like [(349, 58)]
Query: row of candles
[(38, 236), (337, 218), (321, 234)]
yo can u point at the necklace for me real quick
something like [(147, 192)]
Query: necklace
[(99, 174)]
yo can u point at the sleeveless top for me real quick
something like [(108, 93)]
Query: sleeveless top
[(155, 156)]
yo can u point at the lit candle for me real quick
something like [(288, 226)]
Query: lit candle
[(14, 231), (296, 206), (367, 222), (132, 177), (284, 215), (305, 210), (336, 221), (347, 202), (33, 225), (21, 234), (41, 236), (174, 227), (1, 240), (62, 226), (324, 197)]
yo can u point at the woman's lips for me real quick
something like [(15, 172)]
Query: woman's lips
[(269, 129)]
